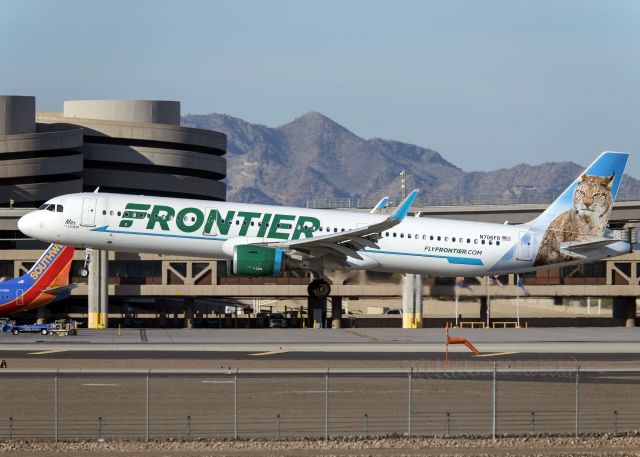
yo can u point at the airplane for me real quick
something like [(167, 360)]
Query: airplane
[(265, 240), (46, 281)]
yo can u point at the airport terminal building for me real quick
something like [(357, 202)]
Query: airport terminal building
[(139, 147)]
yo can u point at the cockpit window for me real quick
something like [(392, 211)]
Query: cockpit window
[(58, 208), (43, 207), (51, 207)]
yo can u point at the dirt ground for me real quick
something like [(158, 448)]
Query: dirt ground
[(383, 447)]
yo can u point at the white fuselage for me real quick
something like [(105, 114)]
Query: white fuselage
[(210, 229)]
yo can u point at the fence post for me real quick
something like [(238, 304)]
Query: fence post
[(533, 422), (326, 406), (410, 399), (188, 428), (11, 428), (147, 406), (448, 427), (278, 426), (495, 388), (99, 428), (55, 405), (577, 401), (235, 404), (615, 422), (366, 425)]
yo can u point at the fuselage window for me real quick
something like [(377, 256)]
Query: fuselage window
[(126, 214), (446, 238), (119, 213), (335, 229), (252, 223), (402, 235), (238, 222), (497, 243), (424, 237), (409, 235), (490, 242), (439, 238), (453, 239), (475, 241), (482, 241), (104, 212), (395, 234), (468, 240), (110, 213), (431, 237)]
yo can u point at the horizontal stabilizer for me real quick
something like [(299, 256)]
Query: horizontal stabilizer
[(60, 289), (582, 249)]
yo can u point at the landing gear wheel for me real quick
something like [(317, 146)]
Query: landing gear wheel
[(84, 272), (319, 288)]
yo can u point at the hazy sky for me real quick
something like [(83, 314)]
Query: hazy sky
[(489, 84)]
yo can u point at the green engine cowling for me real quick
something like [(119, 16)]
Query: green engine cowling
[(257, 261)]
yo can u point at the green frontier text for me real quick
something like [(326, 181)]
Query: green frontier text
[(190, 220)]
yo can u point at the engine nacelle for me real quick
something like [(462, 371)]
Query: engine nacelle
[(258, 261)]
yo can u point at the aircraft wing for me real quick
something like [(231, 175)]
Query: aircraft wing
[(347, 243), (60, 289)]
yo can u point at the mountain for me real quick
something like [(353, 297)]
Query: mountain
[(313, 157)]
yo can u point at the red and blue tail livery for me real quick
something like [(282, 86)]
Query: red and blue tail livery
[(47, 281)]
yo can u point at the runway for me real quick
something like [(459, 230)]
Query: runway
[(287, 348)]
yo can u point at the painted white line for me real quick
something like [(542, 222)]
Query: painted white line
[(52, 351), (99, 385), (269, 353), (209, 381), (495, 354)]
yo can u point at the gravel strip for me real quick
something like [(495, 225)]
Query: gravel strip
[(391, 446)]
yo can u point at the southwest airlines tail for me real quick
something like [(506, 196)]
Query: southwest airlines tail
[(45, 282)]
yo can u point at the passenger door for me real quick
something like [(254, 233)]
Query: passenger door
[(525, 246), (88, 218)]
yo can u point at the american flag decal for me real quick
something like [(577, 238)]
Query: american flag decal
[(506, 238)]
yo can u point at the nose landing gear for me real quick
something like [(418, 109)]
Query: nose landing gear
[(84, 271)]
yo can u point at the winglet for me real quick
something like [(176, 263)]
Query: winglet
[(382, 204), (401, 211)]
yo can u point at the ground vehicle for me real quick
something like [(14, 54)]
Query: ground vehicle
[(394, 311), (43, 329), (277, 320)]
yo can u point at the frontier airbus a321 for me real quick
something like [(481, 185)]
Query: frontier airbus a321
[(261, 240)]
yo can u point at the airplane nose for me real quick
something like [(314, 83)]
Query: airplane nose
[(26, 224)]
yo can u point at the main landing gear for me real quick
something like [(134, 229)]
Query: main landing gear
[(319, 288), (84, 271)]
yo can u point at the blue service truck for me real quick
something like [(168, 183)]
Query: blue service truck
[(60, 327)]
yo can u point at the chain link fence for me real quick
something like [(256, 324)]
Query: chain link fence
[(160, 404)]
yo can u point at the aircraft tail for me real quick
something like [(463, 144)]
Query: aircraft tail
[(589, 198), (53, 266)]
